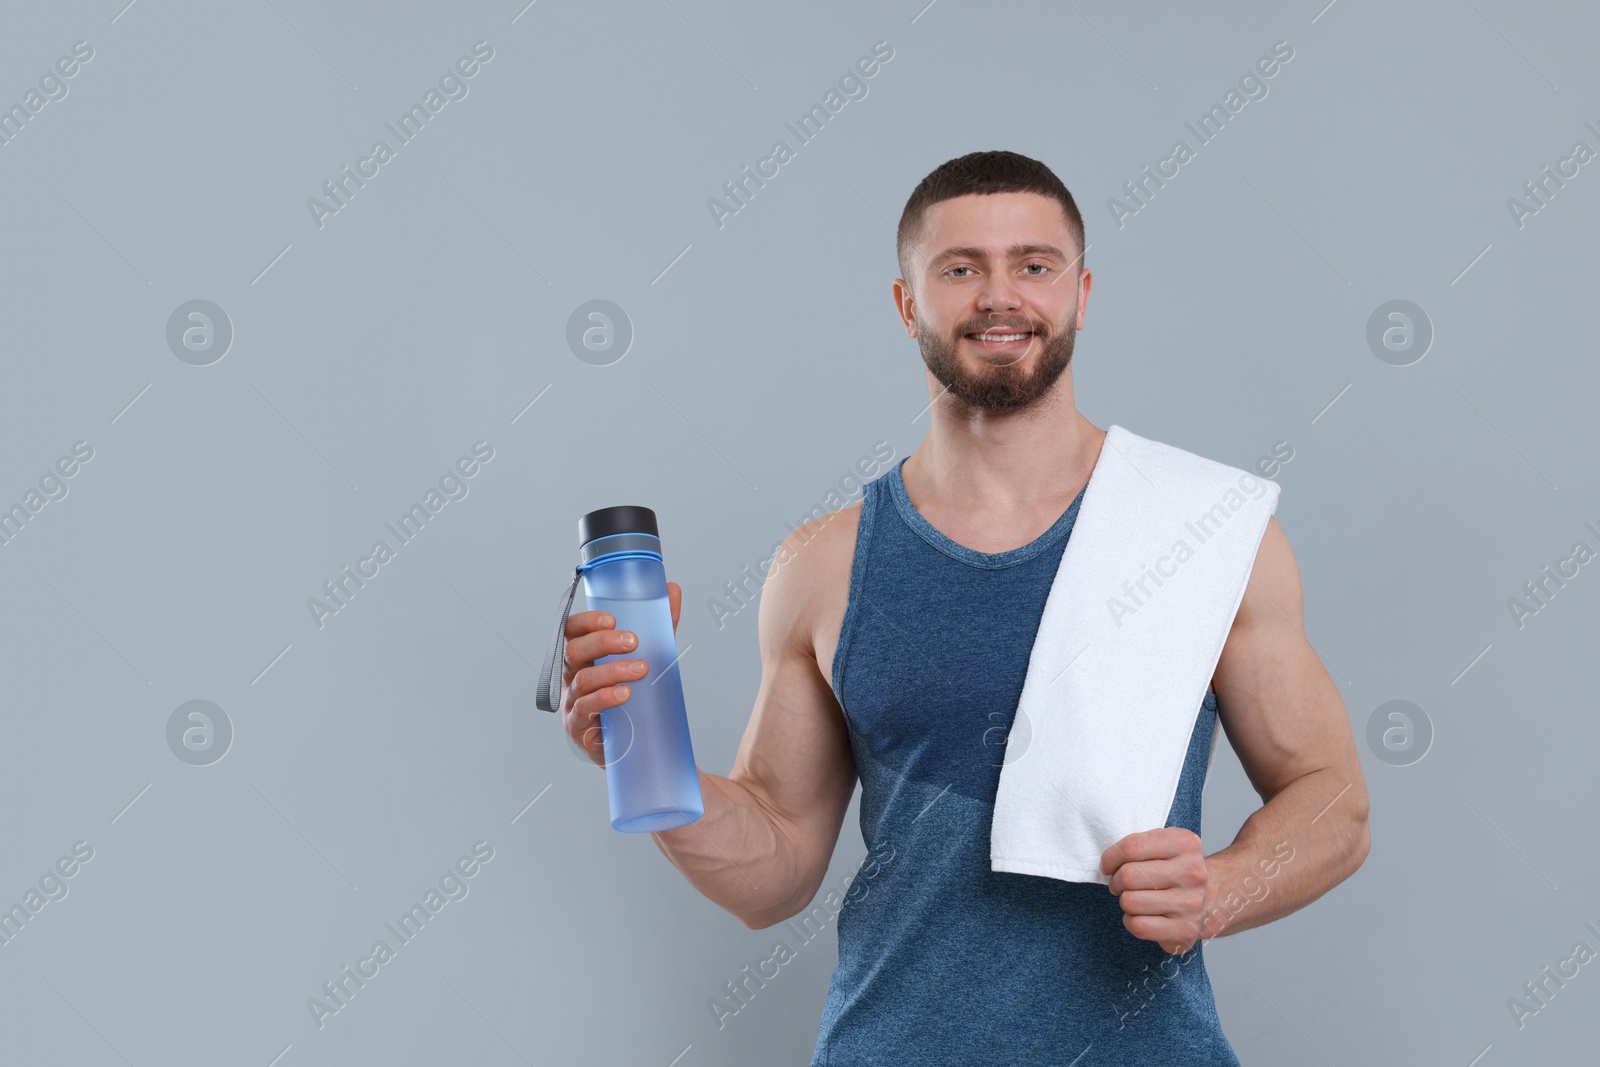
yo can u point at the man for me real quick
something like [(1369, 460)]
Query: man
[(894, 643)]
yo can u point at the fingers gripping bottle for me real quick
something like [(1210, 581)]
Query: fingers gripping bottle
[(651, 779)]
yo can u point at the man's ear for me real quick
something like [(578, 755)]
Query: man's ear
[(905, 305)]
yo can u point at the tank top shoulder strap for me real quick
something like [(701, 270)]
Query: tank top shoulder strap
[(871, 526)]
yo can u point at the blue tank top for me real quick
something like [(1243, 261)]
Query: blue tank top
[(942, 960)]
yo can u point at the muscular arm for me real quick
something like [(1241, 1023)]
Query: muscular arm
[(763, 845), (1286, 721)]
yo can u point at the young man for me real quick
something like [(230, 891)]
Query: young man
[(895, 636)]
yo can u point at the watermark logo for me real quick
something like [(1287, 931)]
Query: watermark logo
[(1399, 333), (1399, 733), (199, 333), (614, 727), (599, 333), (1007, 743), (199, 733)]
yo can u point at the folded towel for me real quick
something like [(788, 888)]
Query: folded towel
[(1141, 603)]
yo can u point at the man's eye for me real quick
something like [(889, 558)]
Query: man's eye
[(1041, 266), (956, 269)]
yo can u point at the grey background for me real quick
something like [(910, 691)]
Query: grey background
[(1228, 315)]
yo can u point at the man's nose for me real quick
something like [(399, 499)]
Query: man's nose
[(999, 294)]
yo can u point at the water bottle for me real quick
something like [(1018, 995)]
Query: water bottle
[(651, 780)]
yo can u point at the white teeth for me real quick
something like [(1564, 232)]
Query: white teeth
[(1001, 336)]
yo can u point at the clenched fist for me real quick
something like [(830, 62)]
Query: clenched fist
[(1162, 881)]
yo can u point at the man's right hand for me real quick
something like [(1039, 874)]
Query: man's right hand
[(588, 689), (763, 846)]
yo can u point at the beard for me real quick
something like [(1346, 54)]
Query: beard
[(998, 386)]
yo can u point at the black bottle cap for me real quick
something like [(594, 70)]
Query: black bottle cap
[(622, 519)]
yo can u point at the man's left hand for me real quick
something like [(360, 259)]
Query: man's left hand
[(1161, 879)]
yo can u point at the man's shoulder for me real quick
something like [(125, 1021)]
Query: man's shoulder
[(821, 551), (810, 575)]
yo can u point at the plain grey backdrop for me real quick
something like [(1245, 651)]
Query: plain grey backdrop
[(348, 359)]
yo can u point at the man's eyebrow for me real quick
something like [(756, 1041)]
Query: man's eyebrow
[(1015, 252)]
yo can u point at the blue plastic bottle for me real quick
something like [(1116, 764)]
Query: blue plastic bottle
[(651, 780)]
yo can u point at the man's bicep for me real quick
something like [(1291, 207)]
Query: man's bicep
[(1282, 713), (795, 753)]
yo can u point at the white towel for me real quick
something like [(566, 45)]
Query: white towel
[(1134, 624)]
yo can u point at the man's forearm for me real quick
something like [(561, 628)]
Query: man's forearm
[(1318, 822), (735, 854)]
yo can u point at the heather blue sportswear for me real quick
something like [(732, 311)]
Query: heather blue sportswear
[(941, 960)]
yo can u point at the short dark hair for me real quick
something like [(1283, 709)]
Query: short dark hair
[(983, 173)]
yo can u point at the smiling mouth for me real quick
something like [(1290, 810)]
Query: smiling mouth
[(996, 337)]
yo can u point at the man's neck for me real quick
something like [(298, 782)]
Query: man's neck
[(1008, 470)]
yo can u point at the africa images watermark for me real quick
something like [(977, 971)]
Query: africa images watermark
[(52, 86), (1253, 84), (452, 84), (744, 590), (1540, 591), (52, 486), (1538, 989), (854, 889), (1538, 189), (341, 589), (341, 989), (52, 886), (811, 123), (1203, 526), (1228, 907)]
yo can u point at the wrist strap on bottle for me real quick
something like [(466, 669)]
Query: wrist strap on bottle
[(554, 660)]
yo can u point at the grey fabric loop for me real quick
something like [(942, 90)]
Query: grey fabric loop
[(553, 662)]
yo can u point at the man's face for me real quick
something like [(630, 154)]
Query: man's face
[(996, 305)]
